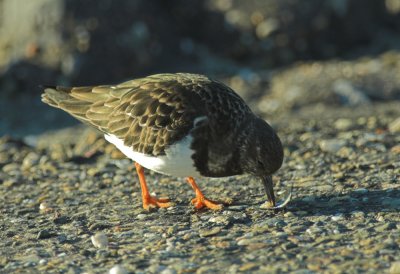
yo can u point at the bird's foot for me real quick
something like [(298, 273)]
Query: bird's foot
[(201, 201), (150, 202)]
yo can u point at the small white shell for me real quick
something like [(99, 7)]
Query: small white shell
[(43, 206), (282, 204)]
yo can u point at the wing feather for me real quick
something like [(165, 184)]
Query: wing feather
[(151, 113)]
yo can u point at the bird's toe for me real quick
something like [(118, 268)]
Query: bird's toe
[(151, 202), (204, 202)]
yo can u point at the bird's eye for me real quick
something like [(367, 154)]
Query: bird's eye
[(261, 164)]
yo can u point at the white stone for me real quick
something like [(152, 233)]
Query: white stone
[(141, 216), (43, 206), (100, 240), (337, 217), (332, 145), (117, 269)]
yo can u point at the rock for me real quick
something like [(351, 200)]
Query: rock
[(395, 268), (245, 241), (332, 145), (99, 240), (289, 214), (44, 206), (394, 126), (118, 269), (209, 232), (141, 216), (11, 168), (44, 234), (61, 220), (395, 149), (221, 220), (368, 138), (358, 214), (168, 271), (349, 94), (338, 217), (343, 124), (30, 160)]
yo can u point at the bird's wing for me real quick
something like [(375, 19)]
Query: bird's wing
[(152, 116), (148, 114), (151, 113)]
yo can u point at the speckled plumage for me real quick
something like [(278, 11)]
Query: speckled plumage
[(152, 113)]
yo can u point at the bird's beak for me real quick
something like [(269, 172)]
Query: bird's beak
[(269, 188)]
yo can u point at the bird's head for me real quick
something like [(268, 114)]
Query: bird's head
[(264, 155)]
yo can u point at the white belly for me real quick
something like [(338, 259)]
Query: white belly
[(177, 160)]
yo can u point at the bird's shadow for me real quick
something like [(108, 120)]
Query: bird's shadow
[(366, 201)]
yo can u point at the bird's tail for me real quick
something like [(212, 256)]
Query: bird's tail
[(62, 98), (91, 105)]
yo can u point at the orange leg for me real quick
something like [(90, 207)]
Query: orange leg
[(147, 200), (200, 201)]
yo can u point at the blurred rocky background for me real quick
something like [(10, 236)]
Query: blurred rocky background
[(280, 55)]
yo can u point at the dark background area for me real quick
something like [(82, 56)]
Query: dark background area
[(250, 45)]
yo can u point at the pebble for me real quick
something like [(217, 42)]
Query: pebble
[(168, 271), (245, 242), (141, 216), (332, 145), (44, 234), (221, 220), (368, 139), (338, 217), (395, 268), (313, 231), (44, 206), (349, 94), (358, 214), (118, 269), (209, 232), (30, 160), (343, 124), (61, 220), (11, 168), (380, 218), (289, 214), (394, 126), (99, 240)]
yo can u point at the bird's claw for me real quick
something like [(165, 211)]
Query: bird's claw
[(150, 202), (200, 202)]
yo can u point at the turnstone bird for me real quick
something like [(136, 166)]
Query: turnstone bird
[(185, 125)]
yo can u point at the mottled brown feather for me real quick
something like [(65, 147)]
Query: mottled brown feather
[(151, 113)]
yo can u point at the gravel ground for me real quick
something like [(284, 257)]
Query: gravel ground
[(324, 74), (68, 207)]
